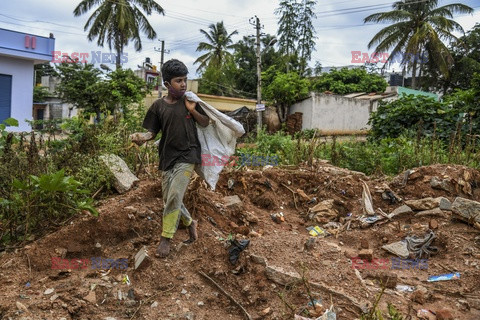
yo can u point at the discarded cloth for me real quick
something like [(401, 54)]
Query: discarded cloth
[(420, 247), (217, 140)]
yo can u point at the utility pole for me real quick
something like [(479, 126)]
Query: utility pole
[(162, 52), (259, 106)]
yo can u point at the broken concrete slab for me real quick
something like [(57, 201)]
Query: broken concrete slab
[(400, 210), (467, 209), (425, 203), (398, 248), (124, 178), (445, 204), (437, 212), (231, 201), (444, 184)]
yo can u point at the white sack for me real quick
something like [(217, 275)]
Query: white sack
[(218, 139)]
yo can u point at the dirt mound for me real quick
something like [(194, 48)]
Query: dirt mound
[(280, 272)]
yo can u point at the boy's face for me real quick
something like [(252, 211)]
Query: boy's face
[(179, 83)]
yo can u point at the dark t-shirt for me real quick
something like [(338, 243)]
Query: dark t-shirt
[(179, 142)]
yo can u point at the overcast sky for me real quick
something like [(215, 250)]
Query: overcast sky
[(339, 26)]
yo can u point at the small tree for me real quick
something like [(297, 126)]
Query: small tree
[(79, 85), (121, 89), (39, 94), (285, 90)]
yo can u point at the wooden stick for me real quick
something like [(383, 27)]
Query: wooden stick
[(226, 294), (293, 192)]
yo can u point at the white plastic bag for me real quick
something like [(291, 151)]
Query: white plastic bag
[(218, 140)]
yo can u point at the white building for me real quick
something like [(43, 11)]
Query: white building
[(19, 52)]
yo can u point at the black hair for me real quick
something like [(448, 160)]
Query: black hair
[(173, 68)]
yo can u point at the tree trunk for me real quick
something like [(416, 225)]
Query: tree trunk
[(117, 60), (282, 113), (414, 71)]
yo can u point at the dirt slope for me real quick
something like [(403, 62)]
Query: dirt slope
[(173, 288)]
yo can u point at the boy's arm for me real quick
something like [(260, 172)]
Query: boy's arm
[(201, 119)]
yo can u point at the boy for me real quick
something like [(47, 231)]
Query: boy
[(179, 149)]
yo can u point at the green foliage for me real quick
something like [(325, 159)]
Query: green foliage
[(121, 89), (346, 81), (418, 28), (296, 32), (465, 53), (286, 89), (219, 42), (79, 85), (39, 200), (384, 156), (39, 192), (40, 94), (83, 86), (118, 22)]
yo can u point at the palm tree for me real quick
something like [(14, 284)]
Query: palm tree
[(118, 21), (419, 27), (219, 42)]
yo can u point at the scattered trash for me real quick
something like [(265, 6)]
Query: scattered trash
[(328, 315), (309, 244), (398, 248), (404, 288), (230, 184), (126, 280), (212, 221), (444, 277), (316, 231), (278, 217), (420, 247), (28, 285), (131, 294), (368, 221), (367, 200), (425, 314), (303, 195), (235, 249), (312, 201)]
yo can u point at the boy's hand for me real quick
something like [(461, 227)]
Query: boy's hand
[(190, 105), (139, 138)]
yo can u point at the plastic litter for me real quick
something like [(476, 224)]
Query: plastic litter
[(126, 280), (316, 231), (444, 277), (235, 249), (278, 217), (404, 288)]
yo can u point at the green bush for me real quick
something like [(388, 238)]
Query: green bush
[(346, 81), (411, 113)]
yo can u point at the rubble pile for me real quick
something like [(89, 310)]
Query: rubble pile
[(316, 242)]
